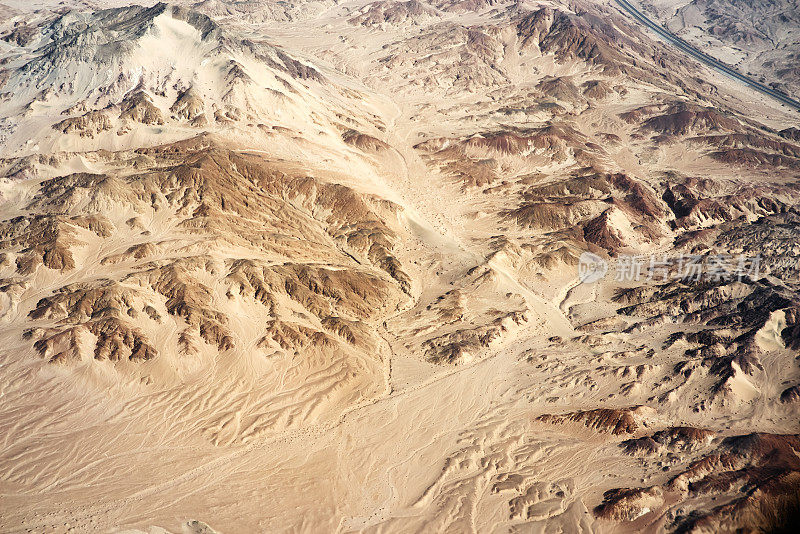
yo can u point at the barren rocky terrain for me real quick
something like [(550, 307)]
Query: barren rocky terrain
[(761, 39), (322, 267)]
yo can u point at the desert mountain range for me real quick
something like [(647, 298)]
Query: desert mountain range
[(318, 267)]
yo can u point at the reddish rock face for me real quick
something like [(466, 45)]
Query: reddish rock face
[(759, 473)]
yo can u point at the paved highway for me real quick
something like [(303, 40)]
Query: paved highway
[(705, 58)]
